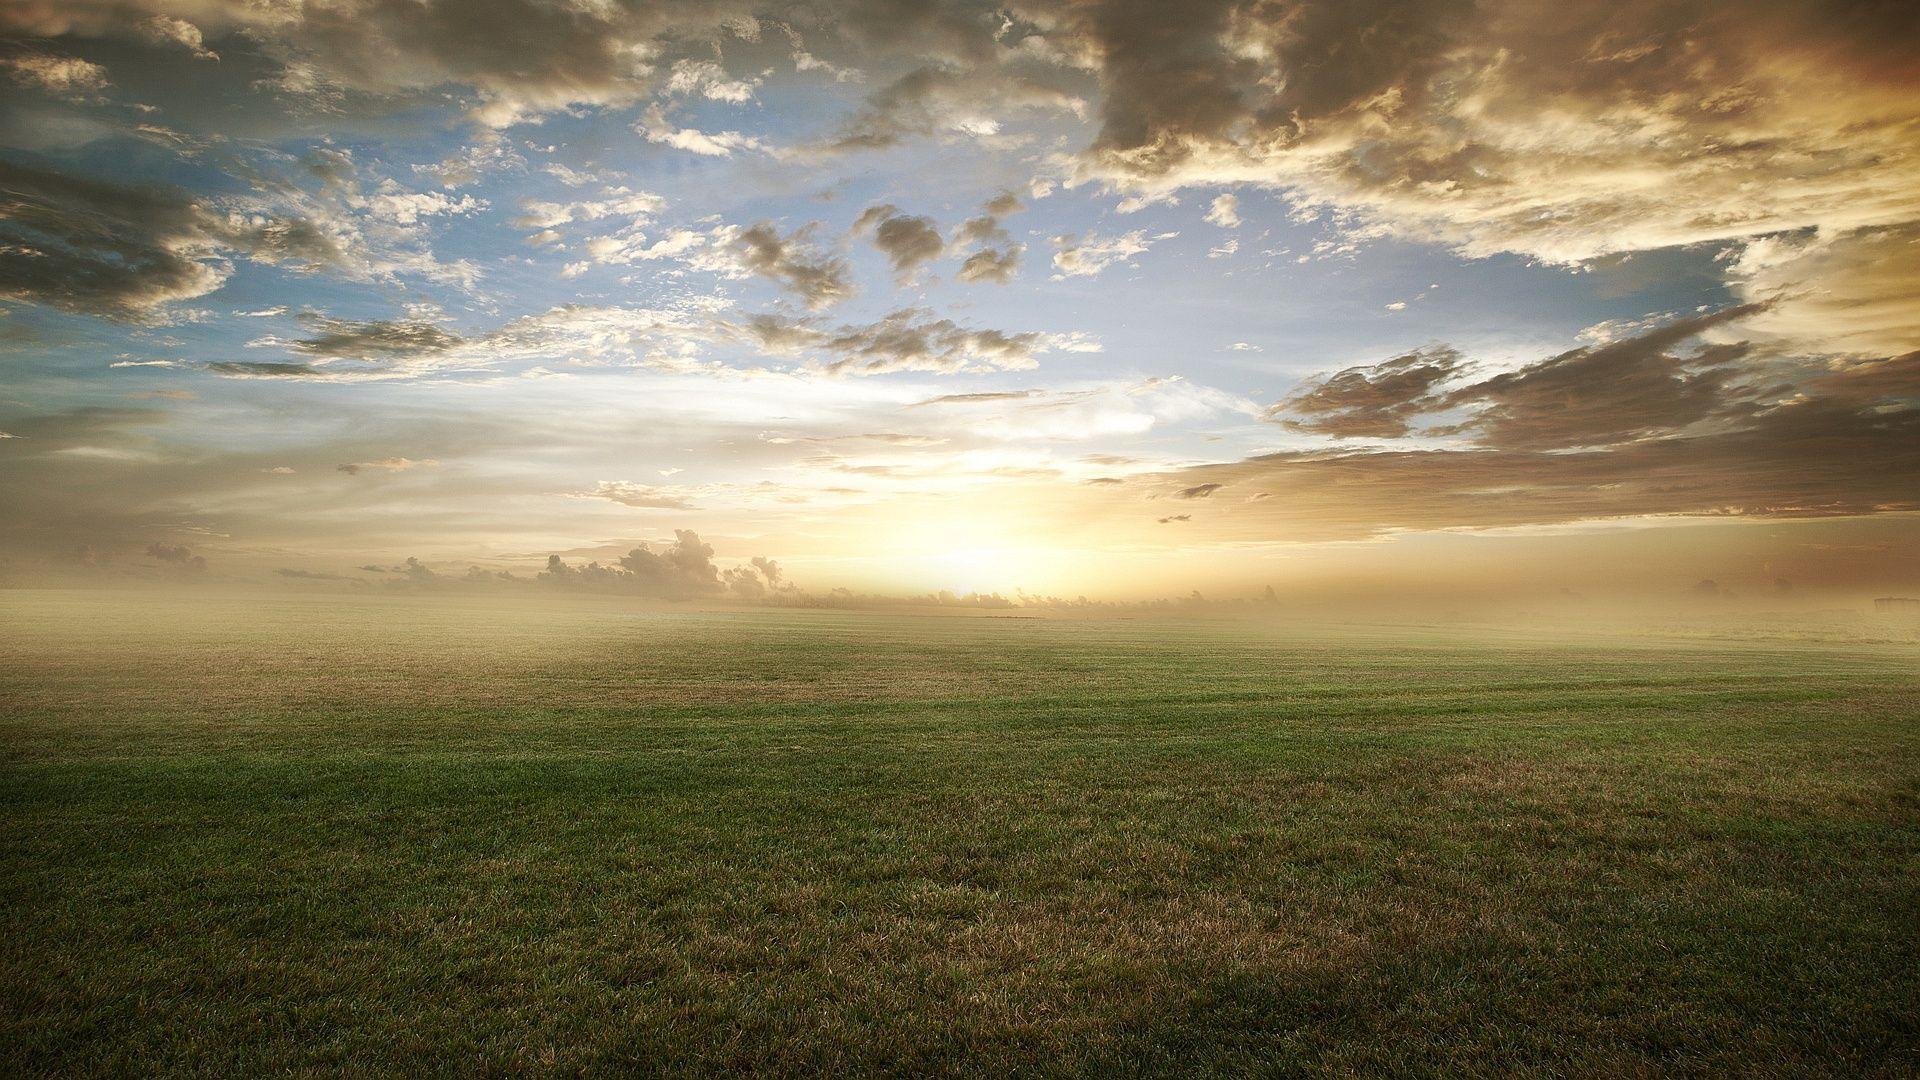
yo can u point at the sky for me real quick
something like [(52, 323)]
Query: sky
[(1105, 298)]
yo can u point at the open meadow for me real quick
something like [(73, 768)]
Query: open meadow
[(452, 836)]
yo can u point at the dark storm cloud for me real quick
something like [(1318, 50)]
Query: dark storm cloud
[(88, 246), (908, 241), (1494, 127), (1592, 396), (520, 57), (1671, 122), (819, 280), (121, 251), (1372, 402), (1609, 393), (1873, 382), (1167, 78), (1619, 430), (1816, 458), (1424, 114)]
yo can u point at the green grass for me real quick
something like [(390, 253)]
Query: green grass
[(446, 837)]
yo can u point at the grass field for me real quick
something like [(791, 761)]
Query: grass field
[(447, 837)]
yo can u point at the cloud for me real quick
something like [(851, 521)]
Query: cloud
[(1627, 388), (391, 465), (1802, 459), (912, 339), (1378, 401), (311, 575), (976, 398), (392, 205), (1078, 257), (655, 126), (954, 100), (1631, 427), (178, 557), (357, 351), (1225, 211), (259, 369), (383, 350), (100, 248), (997, 265), (168, 30), (1612, 393), (1197, 491), (1092, 410), (819, 280), (709, 80), (1611, 127), (995, 256), (909, 340), (984, 229), (94, 247), (543, 214), (1847, 293), (630, 245), (909, 242), (513, 62), (757, 579), (644, 496), (375, 340), (682, 570), (883, 438), (64, 75)]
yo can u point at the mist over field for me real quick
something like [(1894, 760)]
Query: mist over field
[(959, 538)]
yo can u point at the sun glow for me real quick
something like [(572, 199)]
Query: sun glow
[(963, 553)]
